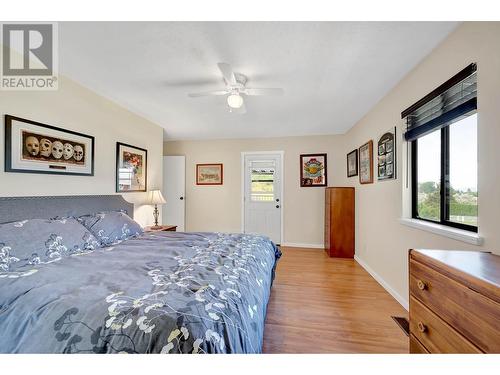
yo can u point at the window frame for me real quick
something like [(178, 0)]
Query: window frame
[(444, 181)]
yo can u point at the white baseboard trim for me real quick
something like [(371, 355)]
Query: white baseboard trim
[(381, 281), (304, 245)]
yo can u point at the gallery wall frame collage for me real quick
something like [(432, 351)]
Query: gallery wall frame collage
[(313, 171), (360, 160), (35, 147)]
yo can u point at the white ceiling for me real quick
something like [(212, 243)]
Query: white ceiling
[(333, 73)]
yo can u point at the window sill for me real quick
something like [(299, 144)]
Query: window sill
[(454, 233)]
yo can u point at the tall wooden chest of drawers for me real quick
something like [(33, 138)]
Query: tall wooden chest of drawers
[(454, 301), (339, 222)]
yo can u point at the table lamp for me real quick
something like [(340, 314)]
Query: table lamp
[(156, 198)]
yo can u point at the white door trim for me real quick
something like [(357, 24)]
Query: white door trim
[(282, 184)]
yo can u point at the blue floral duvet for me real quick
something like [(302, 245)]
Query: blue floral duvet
[(163, 292)]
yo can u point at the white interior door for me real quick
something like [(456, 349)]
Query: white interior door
[(174, 188), (262, 194)]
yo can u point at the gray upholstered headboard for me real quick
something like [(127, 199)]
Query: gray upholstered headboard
[(21, 208)]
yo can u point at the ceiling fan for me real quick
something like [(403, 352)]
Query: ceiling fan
[(235, 88)]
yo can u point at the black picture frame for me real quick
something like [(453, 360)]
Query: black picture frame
[(308, 182), (387, 155), (119, 146), (58, 169), (366, 164), (353, 153)]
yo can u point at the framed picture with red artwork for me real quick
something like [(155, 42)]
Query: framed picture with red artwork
[(313, 171), (131, 168)]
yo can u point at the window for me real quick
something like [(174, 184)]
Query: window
[(463, 171), (262, 189), (262, 181), (445, 175), (442, 129), (428, 176)]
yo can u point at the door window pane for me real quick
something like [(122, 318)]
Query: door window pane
[(262, 185), (463, 171), (429, 176)]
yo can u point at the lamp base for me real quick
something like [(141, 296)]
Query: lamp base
[(155, 227), (156, 214)]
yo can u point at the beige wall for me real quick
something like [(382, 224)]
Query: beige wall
[(218, 208), (382, 242), (76, 108)]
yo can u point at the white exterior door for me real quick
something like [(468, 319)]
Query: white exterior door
[(262, 199), (174, 187)]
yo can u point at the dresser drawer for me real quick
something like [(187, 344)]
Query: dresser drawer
[(416, 347), (476, 317), (435, 334)]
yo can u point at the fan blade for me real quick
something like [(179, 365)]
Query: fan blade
[(264, 91), (240, 110), (208, 93), (227, 73)]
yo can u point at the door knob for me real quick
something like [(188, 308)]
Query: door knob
[(181, 198), (277, 199), (277, 206)]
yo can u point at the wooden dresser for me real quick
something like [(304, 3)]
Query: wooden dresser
[(454, 302), (339, 222)]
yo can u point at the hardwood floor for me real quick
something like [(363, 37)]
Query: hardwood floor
[(328, 305)]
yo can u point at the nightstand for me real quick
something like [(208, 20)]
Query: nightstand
[(162, 228)]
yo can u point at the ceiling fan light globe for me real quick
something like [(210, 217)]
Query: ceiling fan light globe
[(234, 101)]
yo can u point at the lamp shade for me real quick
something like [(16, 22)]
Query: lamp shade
[(155, 197)]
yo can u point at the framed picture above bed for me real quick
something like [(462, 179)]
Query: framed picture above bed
[(352, 163), (131, 168), (33, 147), (209, 174), (366, 163), (313, 170)]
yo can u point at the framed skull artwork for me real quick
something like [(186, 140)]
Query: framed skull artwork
[(33, 147)]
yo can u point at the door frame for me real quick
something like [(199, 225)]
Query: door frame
[(282, 184)]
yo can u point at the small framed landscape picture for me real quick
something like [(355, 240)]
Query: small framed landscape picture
[(131, 168), (352, 163), (366, 163), (313, 170), (387, 155), (209, 174), (33, 147)]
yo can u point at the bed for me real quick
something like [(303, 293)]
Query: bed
[(158, 292)]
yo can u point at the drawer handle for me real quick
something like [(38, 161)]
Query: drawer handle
[(421, 285), (422, 327)]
